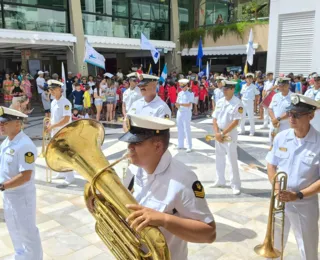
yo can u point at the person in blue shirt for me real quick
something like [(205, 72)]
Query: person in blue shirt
[(78, 97), (297, 80)]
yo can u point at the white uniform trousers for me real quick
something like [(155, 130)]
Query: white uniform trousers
[(228, 149), (302, 216), (184, 129), (248, 109), (20, 216), (265, 117), (69, 176)]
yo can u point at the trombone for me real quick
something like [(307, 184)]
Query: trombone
[(45, 141), (267, 249), (226, 138)]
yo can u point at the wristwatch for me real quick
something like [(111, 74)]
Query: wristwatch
[(300, 195), (2, 187), (279, 118)]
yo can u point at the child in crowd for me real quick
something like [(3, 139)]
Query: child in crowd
[(76, 115), (202, 97), (78, 97), (87, 101), (46, 102)]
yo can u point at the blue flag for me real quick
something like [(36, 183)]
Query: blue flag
[(200, 54), (164, 74)]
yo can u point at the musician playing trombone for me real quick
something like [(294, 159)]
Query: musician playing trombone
[(296, 151), (226, 118)]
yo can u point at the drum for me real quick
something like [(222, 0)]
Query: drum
[(267, 99)]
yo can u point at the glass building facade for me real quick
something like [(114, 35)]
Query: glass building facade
[(186, 14), (35, 15), (127, 18)]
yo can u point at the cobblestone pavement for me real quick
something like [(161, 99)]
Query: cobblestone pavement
[(67, 228)]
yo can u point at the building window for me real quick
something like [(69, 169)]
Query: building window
[(186, 14), (35, 16), (213, 12), (127, 18)]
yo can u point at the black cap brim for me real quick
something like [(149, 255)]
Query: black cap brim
[(129, 137), (299, 109)]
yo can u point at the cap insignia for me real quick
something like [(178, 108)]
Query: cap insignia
[(295, 100)]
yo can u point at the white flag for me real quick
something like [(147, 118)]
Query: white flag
[(146, 45), (250, 49), (63, 77), (93, 57)]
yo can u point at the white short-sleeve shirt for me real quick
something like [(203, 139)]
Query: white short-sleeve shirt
[(16, 156), (131, 95), (268, 85), (59, 109), (218, 94), (228, 111), (40, 82), (249, 92), (298, 158), (279, 104), (315, 95), (157, 108), (185, 97), (171, 189)]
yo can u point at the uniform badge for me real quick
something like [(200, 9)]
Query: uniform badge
[(29, 157), (167, 116), (240, 110), (198, 189), (66, 107), (11, 151), (283, 149)]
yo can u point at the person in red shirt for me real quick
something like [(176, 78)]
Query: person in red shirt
[(161, 92), (202, 98), (206, 88), (172, 96), (195, 91)]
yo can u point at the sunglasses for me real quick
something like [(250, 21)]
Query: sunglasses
[(297, 115)]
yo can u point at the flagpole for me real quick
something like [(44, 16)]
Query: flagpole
[(159, 66)]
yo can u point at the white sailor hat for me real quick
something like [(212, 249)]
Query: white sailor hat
[(283, 80), (145, 79), (269, 72), (54, 83), (40, 72), (220, 78), (69, 72), (249, 75), (141, 128), (301, 103), (46, 72), (8, 114), (132, 75), (229, 84), (183, 82)]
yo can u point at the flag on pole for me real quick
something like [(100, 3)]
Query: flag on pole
[(250, 49), (208, 70), (146, 45), (164, 73), (63, 77), (93, 57), (200, 54), (150, 72), (245, 71)]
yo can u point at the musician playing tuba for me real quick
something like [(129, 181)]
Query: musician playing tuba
[(226, 117), (170, 195), (296, 151)]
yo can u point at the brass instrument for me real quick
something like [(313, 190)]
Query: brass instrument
[(77, 147), (226, 138), (266, 249), (45, 141)]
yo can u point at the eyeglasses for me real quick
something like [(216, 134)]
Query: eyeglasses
[(297, 115)]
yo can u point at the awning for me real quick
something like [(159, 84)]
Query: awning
[(221, 50), (125, 43), (35, 37)]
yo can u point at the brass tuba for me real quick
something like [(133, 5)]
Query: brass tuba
[(45, 141), (226, 138), (77, 147), (266, 249)]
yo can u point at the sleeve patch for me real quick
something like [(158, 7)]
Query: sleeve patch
[(198, 189), (240, 110), (29, 157), (67, 107)]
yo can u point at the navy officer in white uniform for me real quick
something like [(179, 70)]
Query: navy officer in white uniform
[(150, 104), (17, 173), (226, 117), (314, 93), (170, 195), (184, 115), (60, 116), (131, 94), (296, 151)]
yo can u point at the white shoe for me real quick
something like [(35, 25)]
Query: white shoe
[(58, 176), (236, 191), (189, 150), (218, 185), (68, 182)]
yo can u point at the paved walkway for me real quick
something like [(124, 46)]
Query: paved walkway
[(67, 228)]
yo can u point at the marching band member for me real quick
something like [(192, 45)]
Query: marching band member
[(226, 118), (17, 172), (184, 115), (150, 104), (248, 93), (60, 116), (278, 108), (218, 92), (268, 87), (314, 93), (132, 94), (296, 151)]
